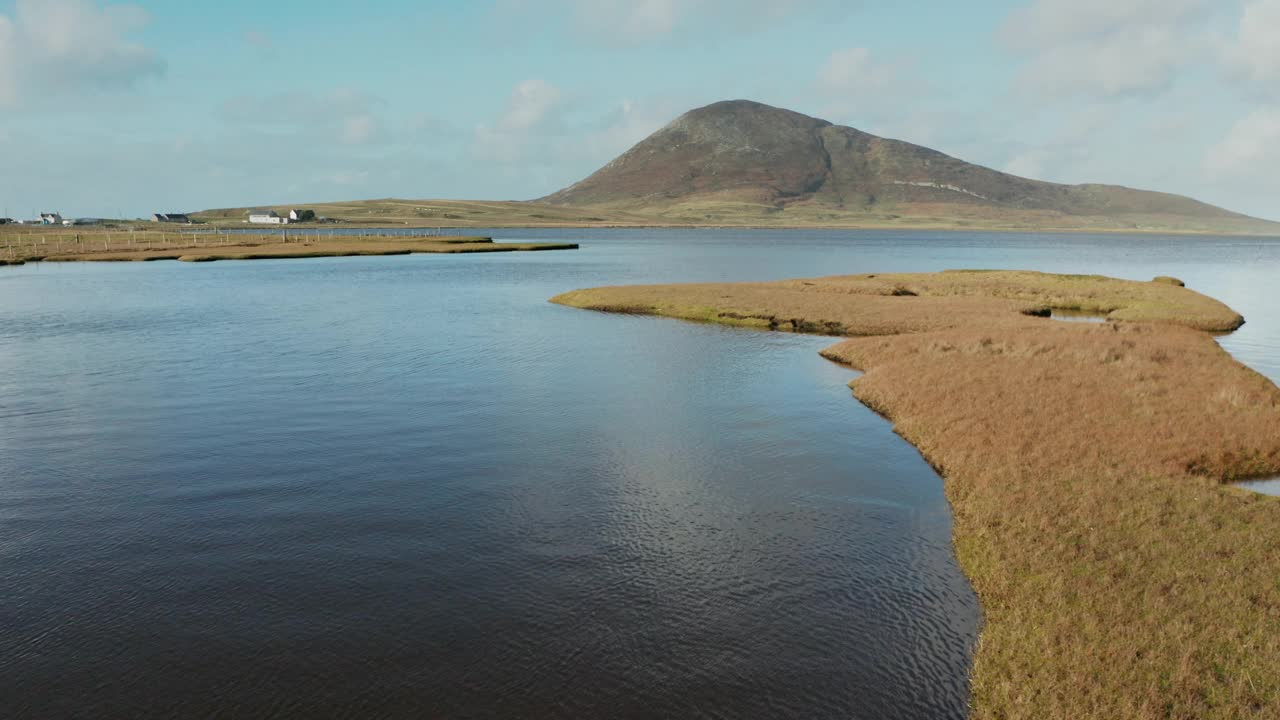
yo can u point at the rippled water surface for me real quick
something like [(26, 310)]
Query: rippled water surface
[(410, 487)]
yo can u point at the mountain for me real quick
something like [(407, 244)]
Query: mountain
[(745, 163), (742, 162)]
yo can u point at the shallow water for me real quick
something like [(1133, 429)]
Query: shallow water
[(408, 486)]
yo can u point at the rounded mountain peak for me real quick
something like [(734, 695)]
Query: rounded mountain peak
[(744, 119), (740, 146), (749, 111)]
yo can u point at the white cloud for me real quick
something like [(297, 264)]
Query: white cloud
[(626, 125), (359, 129), (1053, 21), (534, 104), (1240, 168), (261, 44), (344, 178), (1107, 48), (1072, 147), (853, 71), (1250, 151), (1027, 165), (431, 125), (637, 22), (544, 139), (52, 46), (345, 115), (533, 111), (882, 96), (259, 40), (1254, 53), (537, 127)]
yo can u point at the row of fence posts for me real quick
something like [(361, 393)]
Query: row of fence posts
[(41, 244)]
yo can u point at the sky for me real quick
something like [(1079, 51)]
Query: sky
[(121, 109)]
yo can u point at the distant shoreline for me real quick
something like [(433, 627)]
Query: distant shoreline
[(391, 225), (728, 213)]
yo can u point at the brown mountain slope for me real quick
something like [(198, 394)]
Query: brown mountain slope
[(731, 160)]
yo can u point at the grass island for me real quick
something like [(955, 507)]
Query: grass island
[(1088, 467)]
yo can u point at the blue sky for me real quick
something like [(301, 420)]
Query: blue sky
[(114, 108)]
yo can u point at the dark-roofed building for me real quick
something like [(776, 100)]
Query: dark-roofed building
[(179, 218)]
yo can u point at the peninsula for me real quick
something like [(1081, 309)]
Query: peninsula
[(1087, 465)]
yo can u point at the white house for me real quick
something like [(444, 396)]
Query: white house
[(50, 219), (299, 215), (267, 217)]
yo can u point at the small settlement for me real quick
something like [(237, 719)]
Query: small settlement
[(271, 217), (256, 217), (53, 218)]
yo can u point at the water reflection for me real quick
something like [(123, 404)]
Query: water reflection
[(411, 486)]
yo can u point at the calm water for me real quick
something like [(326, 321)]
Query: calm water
[(410, 487)]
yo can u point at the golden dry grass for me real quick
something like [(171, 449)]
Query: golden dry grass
[(881, 304), (1119, 577), (206, 248)]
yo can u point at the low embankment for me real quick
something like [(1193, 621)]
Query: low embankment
[(206, 247), (1087, 465)]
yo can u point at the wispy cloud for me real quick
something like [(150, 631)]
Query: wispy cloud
[(260, 43), (533, 112), (1253, 53), (546, 138), (1106, 48), (854, 71), (57, 46), (641, 22), (344, 115), (1250, 151)]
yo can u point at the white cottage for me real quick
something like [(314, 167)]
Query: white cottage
[(267, 217)]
